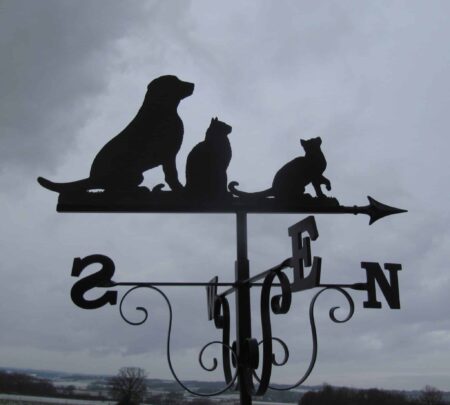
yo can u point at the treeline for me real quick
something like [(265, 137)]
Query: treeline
[(24, 384), (347, 396), (16, 383)]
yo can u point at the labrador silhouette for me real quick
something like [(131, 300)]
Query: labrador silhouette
[(151, 139)]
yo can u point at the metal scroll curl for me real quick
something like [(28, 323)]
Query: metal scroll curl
[(223, 320), (332, 315), (279, 304)]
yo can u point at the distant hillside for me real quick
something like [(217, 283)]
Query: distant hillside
[(153, 383), (97, 385)]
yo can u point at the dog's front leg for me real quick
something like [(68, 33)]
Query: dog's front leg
[(171, 175)]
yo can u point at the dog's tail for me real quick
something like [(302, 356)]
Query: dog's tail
[(243, 194), (79, 185)]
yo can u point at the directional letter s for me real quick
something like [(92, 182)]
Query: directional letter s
[(99, 279)]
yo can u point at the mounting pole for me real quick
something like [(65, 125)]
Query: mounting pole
[(243, 315)]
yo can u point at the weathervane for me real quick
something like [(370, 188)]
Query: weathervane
[(153, 138)]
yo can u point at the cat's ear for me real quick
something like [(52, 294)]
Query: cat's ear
[(216, 119), (212, 120), (303, 142), (319, 140)]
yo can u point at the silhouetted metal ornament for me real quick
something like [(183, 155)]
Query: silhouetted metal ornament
[(377, 210), (126, 318), (153, 138), (279, 304)]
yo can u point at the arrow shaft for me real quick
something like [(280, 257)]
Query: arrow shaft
[(102, 203)]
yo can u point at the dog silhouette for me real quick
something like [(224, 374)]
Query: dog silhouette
[(151, 139)]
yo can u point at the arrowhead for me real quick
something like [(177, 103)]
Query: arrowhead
[(377, 210)]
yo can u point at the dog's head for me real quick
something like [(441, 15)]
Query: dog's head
[(168, 90)]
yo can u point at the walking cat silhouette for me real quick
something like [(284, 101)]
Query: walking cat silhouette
[(290, 181), (151, 139), (207, 163)]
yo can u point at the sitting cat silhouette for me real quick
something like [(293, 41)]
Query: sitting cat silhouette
[(207, 163), (151, 139), (290, 181)]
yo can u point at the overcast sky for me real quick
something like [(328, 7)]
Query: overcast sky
[(370, 78)]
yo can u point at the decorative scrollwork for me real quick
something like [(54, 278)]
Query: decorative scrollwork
[(314, 331), (279, 304), (274, 360), (200, 356), (286, 353), (222, 320)]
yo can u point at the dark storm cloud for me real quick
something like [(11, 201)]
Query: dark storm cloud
[(56, 58)]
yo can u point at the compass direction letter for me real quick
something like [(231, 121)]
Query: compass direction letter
[(100, 278), (375, 275), (301, 254)]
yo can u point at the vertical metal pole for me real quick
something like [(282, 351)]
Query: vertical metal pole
[(243, 319)]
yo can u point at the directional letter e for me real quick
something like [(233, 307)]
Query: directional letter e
[(390, 290)]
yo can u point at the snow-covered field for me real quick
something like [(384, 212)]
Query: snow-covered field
[(78, 384), (6, 399)]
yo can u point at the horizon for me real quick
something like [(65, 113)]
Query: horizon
[(148, 377)]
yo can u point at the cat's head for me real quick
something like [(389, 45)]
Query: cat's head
[(217, 127), (311, 145)]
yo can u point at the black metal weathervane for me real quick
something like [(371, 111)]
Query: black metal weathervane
[(153, 138)]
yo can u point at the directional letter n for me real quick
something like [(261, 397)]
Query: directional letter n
[(389, 288)]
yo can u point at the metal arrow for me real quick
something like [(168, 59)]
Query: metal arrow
[(375, 210), (171, 203)]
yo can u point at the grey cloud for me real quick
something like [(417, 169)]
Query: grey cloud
[(58, 56)]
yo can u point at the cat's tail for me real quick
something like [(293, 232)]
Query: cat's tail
[(243, 194), (79, 185)]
